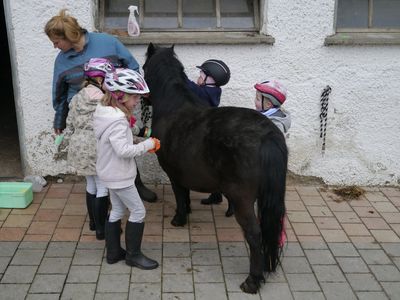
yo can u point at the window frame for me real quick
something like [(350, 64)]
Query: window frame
[(363, 36), (190, 36)]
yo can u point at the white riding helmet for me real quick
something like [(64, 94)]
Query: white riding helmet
[(127, 81)]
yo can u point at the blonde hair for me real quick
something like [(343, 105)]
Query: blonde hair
[(64, 26), (109, 100)]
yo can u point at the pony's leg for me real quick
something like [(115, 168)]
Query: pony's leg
[(188, 208), (182, 204), (245, 216), (230, 211)]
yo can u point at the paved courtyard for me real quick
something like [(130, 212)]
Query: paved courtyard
[(336, 249)]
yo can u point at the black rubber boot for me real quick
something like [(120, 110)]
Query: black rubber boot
[(214, 198), (134, 256), (113, 242), (100, 211), (144, 192), (89, 204)]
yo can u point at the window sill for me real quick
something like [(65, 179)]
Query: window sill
[(363, 38), (195, 38)]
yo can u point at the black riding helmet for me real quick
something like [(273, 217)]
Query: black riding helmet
[(217, 69)]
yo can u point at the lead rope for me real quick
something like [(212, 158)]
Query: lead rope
[(323, 117), (146, 113)]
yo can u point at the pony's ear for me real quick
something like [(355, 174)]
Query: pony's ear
[(150, 50), (171, 49)]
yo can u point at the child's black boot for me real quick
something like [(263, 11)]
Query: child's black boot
[(113, 243), (134, 256), (90, 198), (100, 212)]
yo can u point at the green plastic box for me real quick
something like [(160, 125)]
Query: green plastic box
[(15, 194)]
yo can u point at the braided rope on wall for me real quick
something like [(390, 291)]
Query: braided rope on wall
[(323, 116)]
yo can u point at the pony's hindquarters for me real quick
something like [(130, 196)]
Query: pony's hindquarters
[(271, 198)]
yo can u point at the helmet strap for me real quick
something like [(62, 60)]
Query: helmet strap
[(118, 95), (274, 103), (101, 86), (209, 83), (205, 76), (262, 102)]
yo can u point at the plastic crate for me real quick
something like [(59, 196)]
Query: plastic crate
[(15, 194)]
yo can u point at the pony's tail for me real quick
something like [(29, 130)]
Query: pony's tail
[(271, 199)]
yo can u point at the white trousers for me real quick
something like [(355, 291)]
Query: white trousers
[(95, 186), (126, 198)]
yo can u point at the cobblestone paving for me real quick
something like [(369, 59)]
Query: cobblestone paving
[(336, 250)]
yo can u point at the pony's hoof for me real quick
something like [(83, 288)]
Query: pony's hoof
[(229, 213), (178, 221), (248, 288), (252, 284)]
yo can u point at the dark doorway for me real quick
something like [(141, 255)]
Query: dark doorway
[(10, 159)]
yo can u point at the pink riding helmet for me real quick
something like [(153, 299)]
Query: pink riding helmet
[(273, 90), (98, 67)]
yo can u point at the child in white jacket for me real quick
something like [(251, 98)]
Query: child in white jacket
[(116, 164)]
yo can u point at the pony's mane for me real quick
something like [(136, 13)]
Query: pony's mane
[(165, 75), (163, 63)]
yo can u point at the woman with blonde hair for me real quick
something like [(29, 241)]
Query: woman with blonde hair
[(77, 47)]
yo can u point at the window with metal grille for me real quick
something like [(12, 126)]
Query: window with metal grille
[(184, 18), (368, 16), (373, 22)]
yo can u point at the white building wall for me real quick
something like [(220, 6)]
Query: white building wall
[(362, 140)]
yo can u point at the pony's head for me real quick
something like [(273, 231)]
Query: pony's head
[(155, 50), (152, 49), (166, 78)]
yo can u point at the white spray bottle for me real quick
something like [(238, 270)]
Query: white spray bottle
[(133, 26)]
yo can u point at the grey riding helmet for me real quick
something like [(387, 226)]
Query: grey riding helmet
[(216, 69)]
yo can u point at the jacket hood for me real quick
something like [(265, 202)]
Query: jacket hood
[(284, 118), (286, 121), (104, 117), (92, 96)]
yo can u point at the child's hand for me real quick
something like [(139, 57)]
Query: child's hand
[(157, 145), (145, 132)]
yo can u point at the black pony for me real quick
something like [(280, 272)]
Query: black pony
[(236, 151)]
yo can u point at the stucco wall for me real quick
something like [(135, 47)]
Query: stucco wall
[(362, 140)]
